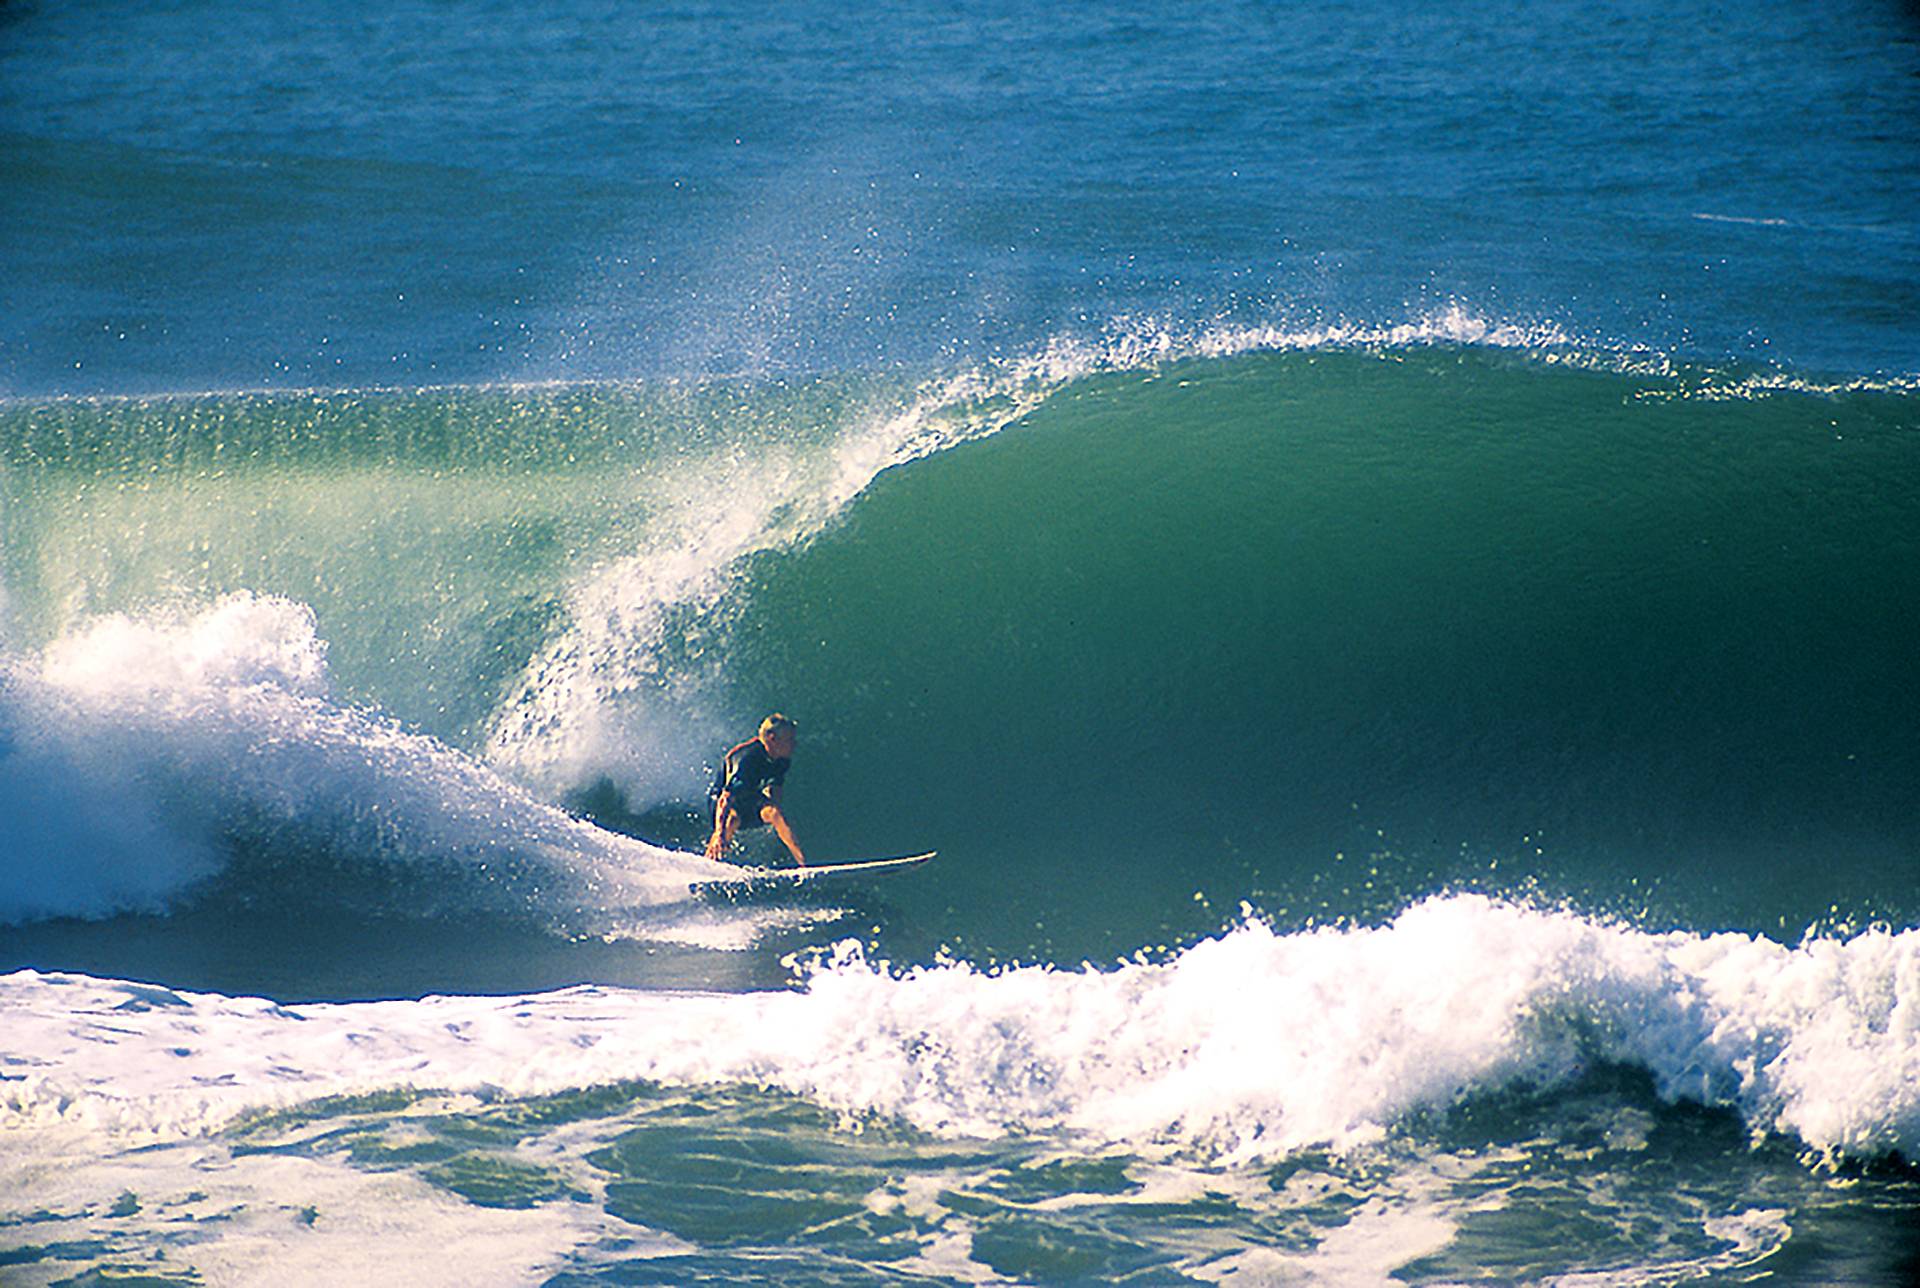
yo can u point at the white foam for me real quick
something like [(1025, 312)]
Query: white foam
[(1245, 1047), (1750, 1236), (1453, 324), (243, 640), (131, 748), (1758, 385), (270, 1219), (1757, 221), (1379, 1237)]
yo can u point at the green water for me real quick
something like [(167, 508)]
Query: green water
[(1322, 630), (1207, 628)]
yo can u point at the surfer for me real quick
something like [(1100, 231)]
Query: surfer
[(746, 791)]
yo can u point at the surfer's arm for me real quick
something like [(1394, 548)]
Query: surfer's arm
[(723, 801), (717, 843)]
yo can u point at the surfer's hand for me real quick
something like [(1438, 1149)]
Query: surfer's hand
[(714, 846)]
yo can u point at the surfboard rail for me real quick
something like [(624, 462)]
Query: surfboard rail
[(777, 878)]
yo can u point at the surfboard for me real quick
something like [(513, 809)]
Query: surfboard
[(751, 879)]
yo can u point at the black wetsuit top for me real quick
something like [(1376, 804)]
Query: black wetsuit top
[(745, 774)]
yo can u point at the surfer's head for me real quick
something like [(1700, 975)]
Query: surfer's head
[(777, 733)]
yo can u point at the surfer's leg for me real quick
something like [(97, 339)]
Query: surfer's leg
[(770, 813)]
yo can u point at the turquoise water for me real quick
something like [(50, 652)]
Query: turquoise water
[(1380, 547)]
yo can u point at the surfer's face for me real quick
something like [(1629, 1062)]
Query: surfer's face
[(780, 743)]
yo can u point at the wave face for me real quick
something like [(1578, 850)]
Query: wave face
[(1205, 627), (1130, 631)]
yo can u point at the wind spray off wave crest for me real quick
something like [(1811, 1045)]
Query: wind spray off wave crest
[(621, 689)]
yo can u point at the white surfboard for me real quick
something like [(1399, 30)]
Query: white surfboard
[(776, 878)]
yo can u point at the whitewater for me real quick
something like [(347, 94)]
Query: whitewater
[(1248, 1046)]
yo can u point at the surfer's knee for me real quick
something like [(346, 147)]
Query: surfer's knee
[(771, 814)]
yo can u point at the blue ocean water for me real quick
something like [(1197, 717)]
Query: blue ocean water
[(1380, 544), (202, 198)]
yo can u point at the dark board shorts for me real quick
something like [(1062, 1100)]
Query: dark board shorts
[(747, 807)]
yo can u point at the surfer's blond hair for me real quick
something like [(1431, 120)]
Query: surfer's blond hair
[(778, 723)]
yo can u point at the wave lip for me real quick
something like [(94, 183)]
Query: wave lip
[(1245, 1047), (600, 697)]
